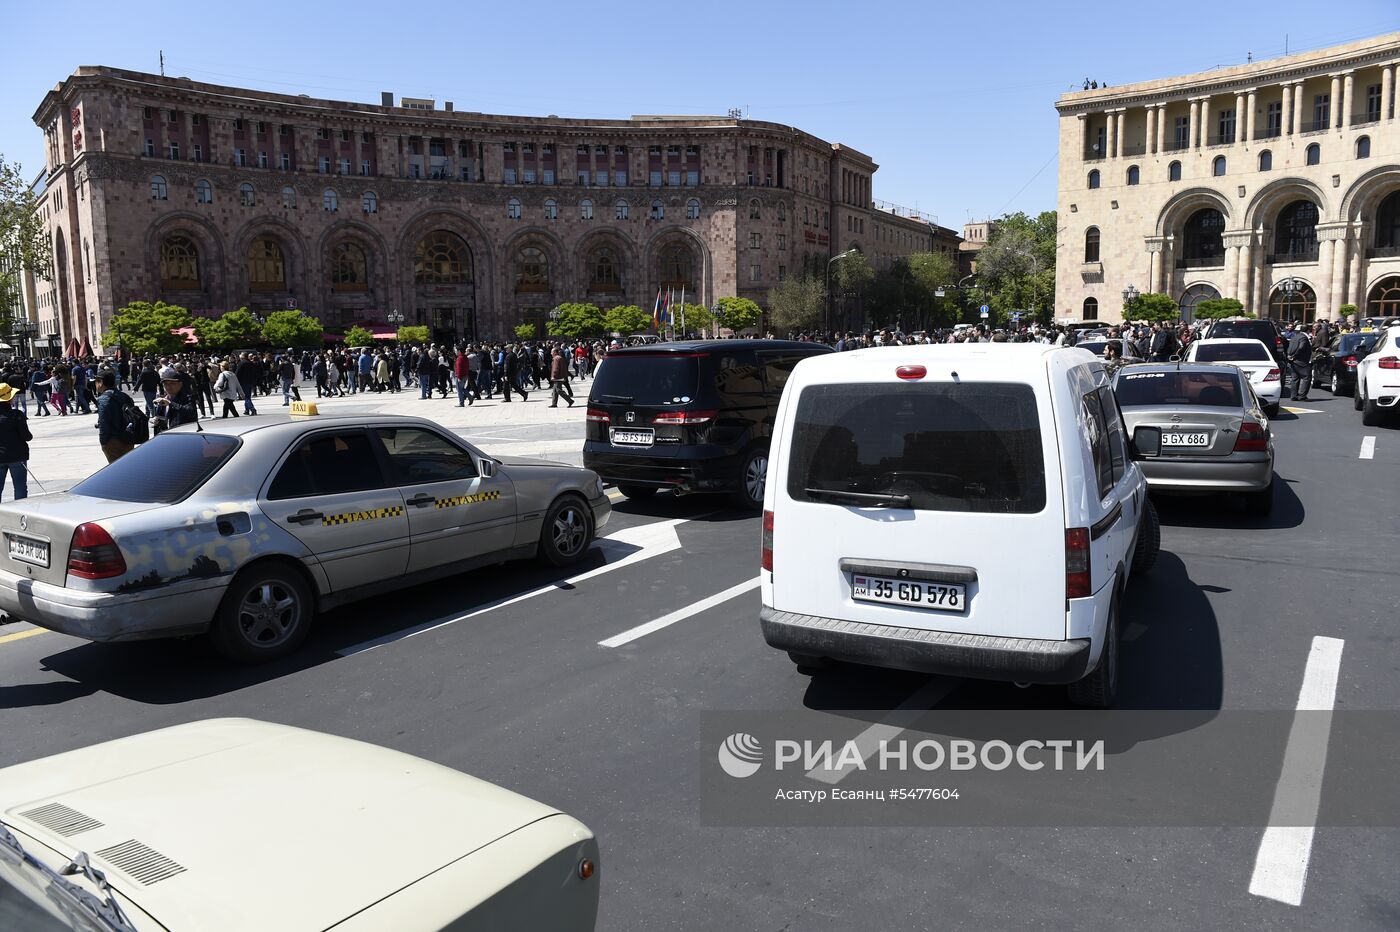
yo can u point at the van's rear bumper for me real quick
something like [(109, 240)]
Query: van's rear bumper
[(1023, 660)]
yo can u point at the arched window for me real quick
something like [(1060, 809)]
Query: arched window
[(245, 194), (677, 268), (203, 192), (1174, 171), (330, 201), (1091, 244), (1093, 179), (1384, 299), (289, 198), (1134, 175), (1314, 154), (1266, 161), (442, 258), (603, 271), (1217, 167), (1203, 243), (513, 209), (159, 192), (782, 210), (531, 270), (1295, 233), (658, 210), (349, 269), (1388, 224), (1301, 304), (755, 210), (369, 203), (1091, 308), (1363, 147), (1193, 296), (620, 210), (551, 209), (585, 209), (267, 270), (692, 209), (179, 263)]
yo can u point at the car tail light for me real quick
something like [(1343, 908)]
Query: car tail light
[(1272, 376), (1253, 438), (598, 415), (1389, 362), (93, 554), (684, 417), (767, 541), (910, 373), (1078, 579), (1349, 361)]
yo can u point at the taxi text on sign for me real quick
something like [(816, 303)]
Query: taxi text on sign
[(304, 409)]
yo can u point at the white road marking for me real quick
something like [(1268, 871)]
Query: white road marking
[(1281, 866), (1368, 448), (628, 546), (665, 621), (888, 728), (1292, 410)]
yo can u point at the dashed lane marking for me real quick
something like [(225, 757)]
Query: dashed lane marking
[(888, 728), (1368, 448), (21, 635), (665, 621), (1292, 410)]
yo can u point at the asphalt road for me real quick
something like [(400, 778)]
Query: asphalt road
[(522, 694)]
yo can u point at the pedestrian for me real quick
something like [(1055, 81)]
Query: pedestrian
[(112, 433), (559, 380), (176, 405), (462, 372), (286, 374), (148, 383), (1299, 350), (318, 369), (249, 374), (511, 376), (14, 443), (227, 387)]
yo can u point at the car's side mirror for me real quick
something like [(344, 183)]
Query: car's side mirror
[(488, 467), (1147, 441)]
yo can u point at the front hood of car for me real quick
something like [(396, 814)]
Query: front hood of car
[(238, 824)]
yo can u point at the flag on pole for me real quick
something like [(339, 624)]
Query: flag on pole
[(666, 310), (656, 311), (682, 307)]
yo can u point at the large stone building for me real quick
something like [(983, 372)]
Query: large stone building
[(215, 197), (1276, 182)]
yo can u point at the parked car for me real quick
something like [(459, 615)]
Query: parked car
[(1249, 356), (1214, 433), (180, 829), (1334, 365), (1378, 378), (690, 416), (906, 481)]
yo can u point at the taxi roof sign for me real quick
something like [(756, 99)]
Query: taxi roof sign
[(304, 409)]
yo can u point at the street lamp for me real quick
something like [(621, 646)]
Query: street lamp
[(1291, 288), (842, 255), (1130, 294), (394, 317)]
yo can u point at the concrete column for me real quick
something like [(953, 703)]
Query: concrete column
[(1387, 86), (1339, 277), (1168, 265), (1122, 124), (1205, 123), (1242, 290), (1195, 124), (1250, 104), (1334, 109), (1154, 275), (1083, 135), (1240, 135), (1286, 117), (1232, 271), (1325, 250), (1149, 136), (1356, 275), (1109, 125), (1348, 95), (1298, 108), (1161, 128)]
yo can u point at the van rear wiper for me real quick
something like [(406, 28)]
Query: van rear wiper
[(625, 399), (873, 499)]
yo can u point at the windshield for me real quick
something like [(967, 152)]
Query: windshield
[(1232, 352), (647, 379), (1244, 329), (162, 470), (35, 898), (1210, 389), (934, 447)]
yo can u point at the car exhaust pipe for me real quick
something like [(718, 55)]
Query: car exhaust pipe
[(1019, 685)]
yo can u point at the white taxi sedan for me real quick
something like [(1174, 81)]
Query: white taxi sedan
[(1252, 358)]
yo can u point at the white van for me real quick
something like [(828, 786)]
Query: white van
[(968, 509)]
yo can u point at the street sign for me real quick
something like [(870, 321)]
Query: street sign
[(986, 311), (291, 304), (1015, 316), (938, 292)]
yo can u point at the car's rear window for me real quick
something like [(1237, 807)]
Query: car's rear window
[(1244, 329), (1353, 342), (647, 379), (1210, 389), (164, 469), (948, 447), (1232, 352)]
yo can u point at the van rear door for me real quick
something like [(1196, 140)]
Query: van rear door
[(929, 505)]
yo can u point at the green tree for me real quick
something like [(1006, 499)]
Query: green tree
[(577, 320), (525, 331), (1346, 310), (22, 233), (794, 304), (1016, 270), (234, 329), (412, 333), (697, 318), (292, 328), (1152, 306), (1219, 307), (741, 313), (358, 336), (142, 327), (626, 319)]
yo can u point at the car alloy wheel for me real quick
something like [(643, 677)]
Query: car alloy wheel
[(570, 530), (269, 614), (1336, 385)]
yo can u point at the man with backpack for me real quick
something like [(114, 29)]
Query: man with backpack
[(119, 421)]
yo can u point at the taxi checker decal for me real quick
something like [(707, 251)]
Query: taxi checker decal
[(373, 514), (468, 499)]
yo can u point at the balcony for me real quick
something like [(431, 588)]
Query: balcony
[(1365, 118), (1273, 133), (1315, 126), (1135, 150), (1093, 156), (1383, 252), (1226, 139), (1176, 145), (1308, 254), (1201, 262)]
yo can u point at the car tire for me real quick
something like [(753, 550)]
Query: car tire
[(809, 663), (1260, 504), (266, 613), (567, 531), (1149, 541), (1099, 689), (1335, 386), (637, 491), (1271, 410), (1371, 413), (752, 477), (1356, 397)]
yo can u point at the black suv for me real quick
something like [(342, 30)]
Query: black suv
[(693, 416), (1264, 330)]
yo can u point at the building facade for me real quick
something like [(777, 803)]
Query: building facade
[(214, 198), (1276, 183)]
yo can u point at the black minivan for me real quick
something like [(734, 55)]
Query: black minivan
[(693, 416)]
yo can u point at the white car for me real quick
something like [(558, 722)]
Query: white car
[(1252, 358), (235, 824), (971, 509), (1378, 378)]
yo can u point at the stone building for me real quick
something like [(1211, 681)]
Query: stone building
[(1276, 183), (215, 197)]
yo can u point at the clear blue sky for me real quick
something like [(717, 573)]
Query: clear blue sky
[(953, 100)]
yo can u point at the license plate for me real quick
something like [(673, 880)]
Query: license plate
[(942, 597), (1186, 440), (28, 550), (636, 438)]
